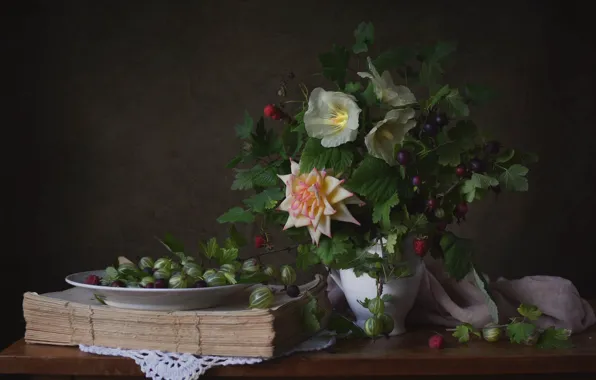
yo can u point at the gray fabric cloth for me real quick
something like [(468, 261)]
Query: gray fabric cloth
[(445, 302)]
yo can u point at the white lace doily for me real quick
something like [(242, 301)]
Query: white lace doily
[(159, 365)]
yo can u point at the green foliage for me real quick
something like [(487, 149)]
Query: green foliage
[(257, 176), (529, 311), (236, 215), (244, 130), (315, 155), (374, 179), (553, 338), (393, 58), (335, 64), (265, 200), (365, 36), (458, 255), (462, 332), (333, 250), (306, 256), (514, 178), (382, 211), (520, 332), (312, 314)]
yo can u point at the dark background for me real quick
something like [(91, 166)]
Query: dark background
[(119, 122)]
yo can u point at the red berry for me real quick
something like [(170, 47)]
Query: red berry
[(460, 171), (270, 110), (161, 283), (436, 341), (441, 226), (420, 246), (92, 280), (117, 284), (431, 204), (462, 209), (150, 285), (416, 181), (259, 241)]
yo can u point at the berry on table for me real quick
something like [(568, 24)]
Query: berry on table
[(259, 241), (201, 284), (436, 341), (403, 157), (117, 284), (149, 285), (421, 246), (93, 280), (460, 170), (161, 283), (416, 181), (293, 291)]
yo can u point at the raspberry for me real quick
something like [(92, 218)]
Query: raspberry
[(92, 280), (420, 246), (270, 110), (436, 341)]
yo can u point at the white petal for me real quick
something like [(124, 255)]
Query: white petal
[(372, 68), (338, 139), (331, 183), (302, 221), (295, 167), (289, 222), (315, 235), (343, 214), (317, 219), (285, 204), (354, 200), (339, 195)]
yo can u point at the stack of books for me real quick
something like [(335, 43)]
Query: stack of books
[(73, 317)]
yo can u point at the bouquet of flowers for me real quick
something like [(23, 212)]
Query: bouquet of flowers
[(385, 150)]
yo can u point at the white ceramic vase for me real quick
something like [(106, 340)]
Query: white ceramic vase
[(403, 291)]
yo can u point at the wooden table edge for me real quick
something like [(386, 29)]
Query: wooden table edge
[(314, 365)]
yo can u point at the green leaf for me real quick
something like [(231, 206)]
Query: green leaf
[(369, 97), (306, 257), (449, 154), (211, 249), (553, 338), (478, 95), (529, 311), (317, 156), (483, 181), (464, 134), (342, 325), (353, 87), (265, 200), (374, 179), (440, 51), (256, 176), (513, 178), (265, 142), (335, 64), (365, 36), (236, 215), (457, 254), (438, 96), (417, 222), (312, 314), (391, 242), (505, 155), (110, 275), (456, 103), (331, 249), (234, 161), (462, 332), (100, 299), (386, 297), (236, 237), (471, 188), (227, 256), (520, 332), (172, 244), (493, 311), (430, 73), (392, 59), (381, 211), (244, 129)]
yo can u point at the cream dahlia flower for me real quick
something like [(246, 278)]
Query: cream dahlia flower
[(332, 117), (386, 90), (387, 133), (314, 199)]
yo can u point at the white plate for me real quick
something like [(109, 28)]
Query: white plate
[(157, 299)]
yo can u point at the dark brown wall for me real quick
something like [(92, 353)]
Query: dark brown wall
[(122, 118)]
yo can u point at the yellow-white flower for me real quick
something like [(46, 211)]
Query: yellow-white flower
[(331, 117), (314, 199), (386, 90), (387, 133)]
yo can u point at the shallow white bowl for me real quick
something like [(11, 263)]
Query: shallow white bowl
[(157, 299)]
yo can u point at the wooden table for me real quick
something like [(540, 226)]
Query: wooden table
[(406, 355)]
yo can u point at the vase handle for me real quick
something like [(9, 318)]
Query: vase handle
[(334, 274)]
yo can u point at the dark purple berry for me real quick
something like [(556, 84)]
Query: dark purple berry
[(460, 170), (416, 181), (117, 284), (441, 120), (403, 157), (431, 129), (293, 291), (161, 283), (150, 285), (148, 270), (476, 165), (492, 147), (201, 284)]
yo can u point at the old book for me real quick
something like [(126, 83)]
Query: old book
[(74, 317)]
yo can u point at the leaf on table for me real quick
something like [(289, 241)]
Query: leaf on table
[(554, 338), (520, 332), (529, 311), (462, 332)]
